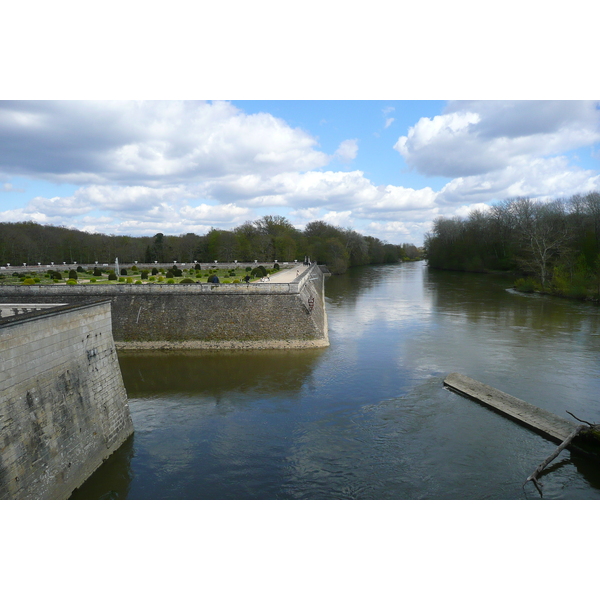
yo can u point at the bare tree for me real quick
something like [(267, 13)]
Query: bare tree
[(543, 232)]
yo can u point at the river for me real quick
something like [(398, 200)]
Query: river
[(368, 417)]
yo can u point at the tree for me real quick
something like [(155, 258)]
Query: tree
[(544, 234)]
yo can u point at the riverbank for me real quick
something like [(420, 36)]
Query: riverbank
[(527, 285)]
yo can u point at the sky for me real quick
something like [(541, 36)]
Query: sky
[(383, 168)]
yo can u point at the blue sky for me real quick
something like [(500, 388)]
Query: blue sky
[(383, 168)]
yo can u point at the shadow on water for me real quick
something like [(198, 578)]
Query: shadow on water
[(112, 480)]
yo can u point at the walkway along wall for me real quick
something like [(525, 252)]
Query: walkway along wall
[(262, 315), (63, 405)]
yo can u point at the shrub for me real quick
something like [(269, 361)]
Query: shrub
[(161, 278), (177, 272), (145, 274), (36, 279), (129, 280), (72, 274), (72, 282), (276, 267), (80, 269), (170, 273), (259, 271), (248, 269), (187, 280), (170, 281), (236, 281), (121, 279), (525, 284), (152, 278), (93, 280), (97, 272), (198, 267), (138, 281), (123, 271), (154, 271), (28, 281), (112, 276), (134, 268)]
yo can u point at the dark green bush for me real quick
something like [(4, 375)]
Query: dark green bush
[(80, 269), (145, 274), (73, 274), (170, 273), (248, 269), (187, 280), (97, 272), (112, 276), (123, 271), (276, 267), (154, 271), (198, 267), (525, 284), (259, 271)]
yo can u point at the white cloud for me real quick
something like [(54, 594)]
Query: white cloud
[(473, 138), (347, 150), (535, 177), (388, 122), (148, 142), (339, 219)]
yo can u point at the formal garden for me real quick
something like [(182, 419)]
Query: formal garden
[(134, 275)]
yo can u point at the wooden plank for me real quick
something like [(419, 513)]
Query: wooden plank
[(538, 419)]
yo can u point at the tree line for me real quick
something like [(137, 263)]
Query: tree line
[(554, 245), (266, 239)]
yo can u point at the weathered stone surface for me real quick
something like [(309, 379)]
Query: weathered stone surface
[(63, 405)]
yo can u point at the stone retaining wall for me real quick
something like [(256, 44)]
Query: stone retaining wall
[(264, 314), (63, 405)]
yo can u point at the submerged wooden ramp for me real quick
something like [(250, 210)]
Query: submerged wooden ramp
[(538, 419)]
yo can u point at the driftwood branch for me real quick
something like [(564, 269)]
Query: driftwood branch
[(581, 420), (533, 477)]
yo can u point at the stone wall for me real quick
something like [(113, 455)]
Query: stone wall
[(263, 314), (63, 405)]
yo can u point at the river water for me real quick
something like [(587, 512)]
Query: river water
[(368, 417)]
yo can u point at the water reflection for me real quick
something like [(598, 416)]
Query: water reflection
[(158, 373)]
